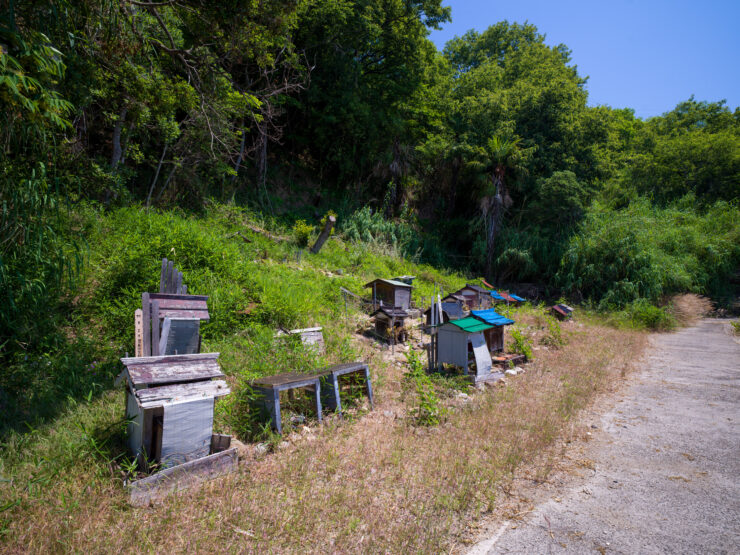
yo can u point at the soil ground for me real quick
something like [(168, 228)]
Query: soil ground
[(662, 467)]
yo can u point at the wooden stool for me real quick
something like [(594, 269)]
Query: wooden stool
[(329, 378), (271, 386)]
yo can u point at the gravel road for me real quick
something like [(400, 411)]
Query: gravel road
[(667, 461)]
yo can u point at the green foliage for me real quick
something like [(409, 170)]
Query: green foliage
[(302, 233), (371, 227), (646, 252), (427, 410), (520, 343), (37, 261)]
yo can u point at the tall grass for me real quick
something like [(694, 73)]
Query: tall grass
[(646, 252)]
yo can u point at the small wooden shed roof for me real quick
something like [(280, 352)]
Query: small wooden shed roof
[(168, 369), (477, 288), (453, 310), (470, 325), (391, 312), (492, 317), (392, 282)]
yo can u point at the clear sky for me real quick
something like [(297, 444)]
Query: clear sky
[(648, 55)]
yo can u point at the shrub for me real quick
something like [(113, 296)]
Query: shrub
[(521, 344), (554, 336), (302, 233), (646, 252), (428, 410)]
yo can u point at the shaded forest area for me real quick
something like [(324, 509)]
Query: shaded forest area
[(484, 157)]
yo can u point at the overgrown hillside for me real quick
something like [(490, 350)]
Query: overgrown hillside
[(434, 455)]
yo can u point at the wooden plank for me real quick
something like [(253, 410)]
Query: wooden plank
[(291, 379), (184, 289), (220, 442), (127, 361), (168, 277), (155, 329), (145, 491), (157, 396), (138, 333), (169, 373), (162, 275), (146, 328), (178, 283)]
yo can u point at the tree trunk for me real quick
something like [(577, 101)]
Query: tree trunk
[(492, 211), (156, 176), (117, 149), (324, 235)]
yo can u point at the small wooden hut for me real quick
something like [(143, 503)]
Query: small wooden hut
[(494, 335), (310, 337), (561, 311), (389, 292), (505, 297), (450, 311), (462, 342), (169, 406), (390, 323), (476, 297)]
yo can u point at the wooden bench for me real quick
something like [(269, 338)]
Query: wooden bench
[(271, 386), (330, 383)]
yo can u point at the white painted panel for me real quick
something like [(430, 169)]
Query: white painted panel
[(482, 356), (186, 431)]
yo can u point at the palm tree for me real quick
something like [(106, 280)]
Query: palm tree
[(504, 155)]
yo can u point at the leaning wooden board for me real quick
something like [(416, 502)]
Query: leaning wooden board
[(152, 488)]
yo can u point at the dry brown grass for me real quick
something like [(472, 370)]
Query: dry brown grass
[(373, 484), (688, 309)]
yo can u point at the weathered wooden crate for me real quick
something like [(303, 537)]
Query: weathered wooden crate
[(169, 405)]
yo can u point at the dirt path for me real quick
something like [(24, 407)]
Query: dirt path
[(667, 462)]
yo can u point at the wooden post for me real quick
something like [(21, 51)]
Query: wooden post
[(155, 328), (139, 333), (324, 235), (162, 276), (146, 327)]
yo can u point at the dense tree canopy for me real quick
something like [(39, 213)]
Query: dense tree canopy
[(485, 155)]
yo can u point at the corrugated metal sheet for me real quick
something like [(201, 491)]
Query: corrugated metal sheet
[(492, 317), (471, 325), (517, 298), (452, 347), (495, 295)]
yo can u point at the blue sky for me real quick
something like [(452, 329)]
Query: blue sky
[(648, 55)]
